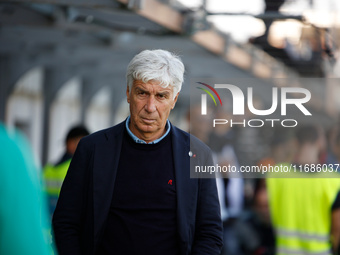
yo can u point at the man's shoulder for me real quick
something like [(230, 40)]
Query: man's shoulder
[(179, 133)]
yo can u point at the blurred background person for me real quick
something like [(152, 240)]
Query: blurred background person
[(199, 126), (332, 144), (283, 148), (336, 148), (254, 231), (230, 185), (54, 175), (305, 209), (322, 141), (23, 211)]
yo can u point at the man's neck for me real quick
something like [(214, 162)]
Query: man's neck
[(148, 137), (139, 137)]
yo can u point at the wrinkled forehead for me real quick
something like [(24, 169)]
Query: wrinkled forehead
[(152, 85)]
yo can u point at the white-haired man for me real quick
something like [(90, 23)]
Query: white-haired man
[(128, 189)]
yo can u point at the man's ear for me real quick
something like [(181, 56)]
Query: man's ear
[(128, 94)]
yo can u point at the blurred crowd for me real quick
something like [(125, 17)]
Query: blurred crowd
[(294, 212)]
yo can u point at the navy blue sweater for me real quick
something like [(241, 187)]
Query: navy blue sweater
[(142, 217)]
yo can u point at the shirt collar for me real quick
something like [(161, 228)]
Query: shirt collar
[(137, 140)]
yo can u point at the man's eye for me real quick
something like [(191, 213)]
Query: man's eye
[(141, 93), (161, 96)]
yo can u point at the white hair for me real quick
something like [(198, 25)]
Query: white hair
[(157, 65)]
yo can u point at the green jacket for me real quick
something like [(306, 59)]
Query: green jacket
[(300, 205), (23, 211)]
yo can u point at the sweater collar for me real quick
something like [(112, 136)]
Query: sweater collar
[(137, 140)]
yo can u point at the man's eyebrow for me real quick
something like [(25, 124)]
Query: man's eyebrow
[(164, 93), (142, 90)]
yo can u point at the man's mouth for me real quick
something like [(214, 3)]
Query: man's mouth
[(148, 121)]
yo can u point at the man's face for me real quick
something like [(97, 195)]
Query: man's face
[(150, 106)]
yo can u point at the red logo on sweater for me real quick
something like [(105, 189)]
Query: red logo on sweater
[(170, 182)]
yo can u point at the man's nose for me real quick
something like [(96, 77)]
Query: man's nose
[(150, 105)]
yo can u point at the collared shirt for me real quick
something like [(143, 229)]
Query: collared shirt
[(137, 140)]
